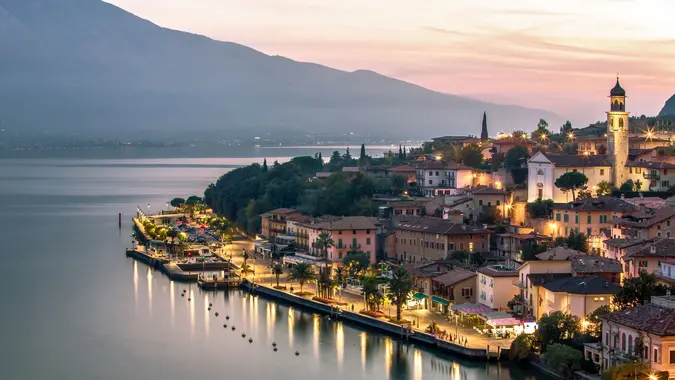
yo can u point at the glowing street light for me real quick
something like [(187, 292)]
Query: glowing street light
[(570, 135), (543, 137), (524, 136), (649, 133)]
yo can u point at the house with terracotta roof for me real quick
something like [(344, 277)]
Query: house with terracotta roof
[(439, 177), (578, 296), (645, 333), (454, 287), (425, 239), (485, 197), (495, 286), (406, 171), (273, 223), (349, 233), (645, 224), (591, 145), (647, 256), (591, 217), (511, 245)]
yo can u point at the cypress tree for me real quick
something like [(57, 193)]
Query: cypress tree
[(362, 156), (404, 154), (400, 152), (264, 168), (484, 131)]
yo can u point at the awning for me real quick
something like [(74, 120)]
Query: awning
[(440, 300), (420, 296)]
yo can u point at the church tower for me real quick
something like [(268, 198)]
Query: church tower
[(617, 134)]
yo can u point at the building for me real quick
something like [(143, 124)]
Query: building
[(425, 239), (406, 171), (495, 286), (615, 167), (578, 296), (511, 245), (602, 267), (349, 234), (454, 287), (438, 177), (273, 222), (652, 175), (591, 217), (645, 332), (486, 197), (666, 274), (544, 168), (647, 256), (645, 224), (591, 145)]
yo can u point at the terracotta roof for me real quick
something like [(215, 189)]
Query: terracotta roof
[(636, 152), (346, 223), (493, 271), (487, 191), (558, 254), (279, 211), (649, 202), (650, 165), (298, 218), (649, 219), (454, 276), (598, 204), (563, 160), (650, 318), (595, 264), (591, 138), (402, 168), (437, 226), (582, 285), (458, 201), (321, 175), (657, 248), (539, 279), (351, 169)]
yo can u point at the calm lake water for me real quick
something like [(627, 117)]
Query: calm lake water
[(74, 307)]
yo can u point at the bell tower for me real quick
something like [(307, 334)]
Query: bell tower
[(617, 134)]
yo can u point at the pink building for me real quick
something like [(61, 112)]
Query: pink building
[(349, 233), (647, 257)]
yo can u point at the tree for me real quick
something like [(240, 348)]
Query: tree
[(540, 208), (277, 270), (627, 186), (542, 124), (264, 167), (245, 255), (636, 290), (522, 348), (302, 273), (398, 183), (563, 359), (576, 241), (557, 327), (324, 242), (356, 262), (340, 275), (484, 129), (371, 293), (637, 185), (490, 215), (177, 202), (515, 160), (472, 155), (245, 269), (604, 189), (571, 181), (566, 128), (602, 149), (584, 193), (399, 289), (400, 153), (594, 327), (362, 156)]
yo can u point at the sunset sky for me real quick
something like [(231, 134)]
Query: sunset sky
[(562, 56)]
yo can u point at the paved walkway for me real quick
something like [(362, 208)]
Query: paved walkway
[(421, 318)]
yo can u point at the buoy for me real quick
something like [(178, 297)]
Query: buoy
[(233, 328), (243, 335), (189, 299), (209, 309), (250, 340), (182, 295), (225, 326), (275, 349), (210, 304), (274, 344), (216, 313), (297, 353), (227, 317)]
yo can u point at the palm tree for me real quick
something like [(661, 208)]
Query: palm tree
[(324, 241), (400, 286), (245, 269), (370, 291), (245, 255), (340, 275), (302, 273), (277, 270)]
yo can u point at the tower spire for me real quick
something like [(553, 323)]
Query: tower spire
[(484, 131)]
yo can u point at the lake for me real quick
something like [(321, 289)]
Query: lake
[(74, 307)]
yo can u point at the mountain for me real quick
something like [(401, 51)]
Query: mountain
[(89, 68), (669, 107)]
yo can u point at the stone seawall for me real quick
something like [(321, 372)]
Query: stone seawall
[(384, 326)]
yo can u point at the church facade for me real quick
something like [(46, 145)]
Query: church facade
[(614, 167)]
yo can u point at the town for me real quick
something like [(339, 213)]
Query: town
[(554, 246)]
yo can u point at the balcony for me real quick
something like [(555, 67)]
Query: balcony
[(652, 176), (519, 284), (354, 246)]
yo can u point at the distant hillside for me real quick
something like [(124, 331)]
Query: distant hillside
[(90, 68), (669, 108)]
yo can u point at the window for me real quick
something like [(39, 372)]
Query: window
[(467, 292), (665, 183), (540, 172), (672, 357), (339, 243), (606, 338), (668, 222), (340, 255), (589, 219), (497, 203), (431, 173), (452, 246), (656, 355), (489, 203), (602, 171), (566, 218), (557, 217), (540, 193), (576, 219), (368, 241), (480, 202), (471, 247), (436, 174), (588, 231), (431, 182), (643, 263), (623, 341)]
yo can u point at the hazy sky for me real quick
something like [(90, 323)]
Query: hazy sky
[(562, 56)]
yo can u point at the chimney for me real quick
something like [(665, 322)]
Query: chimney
[(652, 249)]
